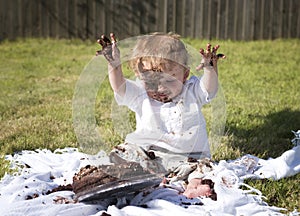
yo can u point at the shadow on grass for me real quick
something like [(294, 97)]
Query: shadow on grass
[(270, 139)]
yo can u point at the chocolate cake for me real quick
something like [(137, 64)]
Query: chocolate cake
[(90, 176), (93, 182)]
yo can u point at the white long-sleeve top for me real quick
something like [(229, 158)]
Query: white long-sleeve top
[(177, 126)]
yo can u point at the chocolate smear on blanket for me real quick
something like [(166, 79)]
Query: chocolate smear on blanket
[(60, 199), (63, 200), (67, 187), (33, 196), (104, 181)]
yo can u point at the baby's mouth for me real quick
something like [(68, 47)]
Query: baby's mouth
[(162, 97)]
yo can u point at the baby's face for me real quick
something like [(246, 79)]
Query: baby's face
[(165, 84)]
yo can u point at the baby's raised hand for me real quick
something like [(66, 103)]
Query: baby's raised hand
[(109, 49), (209, 56)]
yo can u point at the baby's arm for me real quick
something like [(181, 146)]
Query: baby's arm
[(112, 55), (209, 64)]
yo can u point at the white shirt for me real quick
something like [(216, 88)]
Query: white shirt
[(178, 126)]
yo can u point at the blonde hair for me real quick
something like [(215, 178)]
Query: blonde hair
[(161, 50)]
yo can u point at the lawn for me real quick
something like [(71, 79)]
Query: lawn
[(259, 79)]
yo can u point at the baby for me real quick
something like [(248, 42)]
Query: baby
[(170, 128)]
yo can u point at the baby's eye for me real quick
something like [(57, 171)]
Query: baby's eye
[(170, 80)]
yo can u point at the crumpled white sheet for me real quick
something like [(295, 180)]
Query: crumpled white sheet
[(43, 170)]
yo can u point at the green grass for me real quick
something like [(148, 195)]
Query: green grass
[(260, 81)]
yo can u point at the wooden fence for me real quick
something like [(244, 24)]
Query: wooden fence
[(87, 19)]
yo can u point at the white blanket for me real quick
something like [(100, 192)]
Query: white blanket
[(25, 193)]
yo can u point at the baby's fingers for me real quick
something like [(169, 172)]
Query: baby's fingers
[(105, 40), (115, 49), (113, 38), (215, 48), (208, 48), (201, 51), (215, 55)]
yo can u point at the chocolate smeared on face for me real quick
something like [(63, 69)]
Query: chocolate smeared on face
[(152, 81), (163, 79)]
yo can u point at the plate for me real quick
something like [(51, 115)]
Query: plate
[(119, 188)]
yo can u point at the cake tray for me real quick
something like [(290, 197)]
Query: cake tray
[(119, 188)]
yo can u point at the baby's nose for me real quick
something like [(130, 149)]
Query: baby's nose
[(161, 87)]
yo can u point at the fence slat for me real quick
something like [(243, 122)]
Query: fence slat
[(284, 19), (257, 17), (191, 16), (26, 21), (91, 19), (136, 13), (198, 19), (35, 18), (252, 20), (180, 17), (295, 26), (63, 10), (188, 18), (2, 20), (81, 18), (44, 14), (53, 18), (205, 18), (213, 19), (162, 15), (10, 19), (220, 23), (276, 15), (99, 18)]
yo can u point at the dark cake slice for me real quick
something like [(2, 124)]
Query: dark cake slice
[(90, 176)]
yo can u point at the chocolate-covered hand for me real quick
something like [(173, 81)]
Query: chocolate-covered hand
[(210, 57), (109, 49)]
